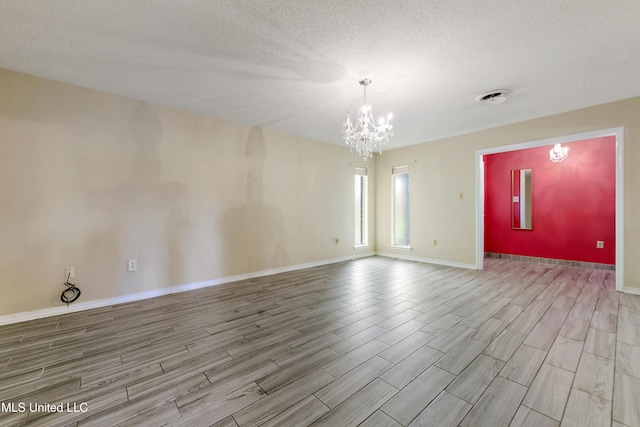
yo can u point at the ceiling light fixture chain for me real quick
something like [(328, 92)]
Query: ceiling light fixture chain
[(365, 137)]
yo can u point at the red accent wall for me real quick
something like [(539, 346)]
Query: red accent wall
[(573, 202)]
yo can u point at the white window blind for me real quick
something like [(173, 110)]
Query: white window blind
[(361, 205), (401, 222), (398, 170)]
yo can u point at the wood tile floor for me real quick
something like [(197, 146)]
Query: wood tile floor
[(371, 342)]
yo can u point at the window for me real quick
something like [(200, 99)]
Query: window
[(401, 218), (361, 207)]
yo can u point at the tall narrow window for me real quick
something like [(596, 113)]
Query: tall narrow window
[(401, 218), (361, 236)]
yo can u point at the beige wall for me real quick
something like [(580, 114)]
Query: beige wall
[(442, 169), (89, 180)]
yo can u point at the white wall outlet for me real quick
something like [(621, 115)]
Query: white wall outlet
[(69, 273), (132, 265), (435, 242), (600, 244), (460, 196)]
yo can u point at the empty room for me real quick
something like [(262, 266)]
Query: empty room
[(295, 213)]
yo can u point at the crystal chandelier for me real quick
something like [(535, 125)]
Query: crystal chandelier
[(558, 153), (365, 137)]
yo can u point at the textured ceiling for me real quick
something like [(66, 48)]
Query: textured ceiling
[(293, 65)]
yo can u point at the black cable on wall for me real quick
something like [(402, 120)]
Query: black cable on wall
[(70, 294)]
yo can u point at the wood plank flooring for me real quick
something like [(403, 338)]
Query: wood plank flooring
[(371, 342)]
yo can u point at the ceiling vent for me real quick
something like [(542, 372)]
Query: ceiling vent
[(493, 97)]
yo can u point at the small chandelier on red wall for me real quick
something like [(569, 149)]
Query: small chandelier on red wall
[(558, 153)]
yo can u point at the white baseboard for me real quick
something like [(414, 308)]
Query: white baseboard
[(88, 305), (428, 260), (630, 290)]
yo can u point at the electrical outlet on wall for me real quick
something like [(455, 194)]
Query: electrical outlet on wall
[(600, 244), (435, 242), (132, 265), (69, 273)]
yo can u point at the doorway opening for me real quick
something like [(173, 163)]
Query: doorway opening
[(618, 133)]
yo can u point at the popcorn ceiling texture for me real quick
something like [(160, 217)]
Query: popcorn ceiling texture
[(293, 66)]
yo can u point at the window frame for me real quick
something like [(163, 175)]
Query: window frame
[(398, 171), (361, 223)]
